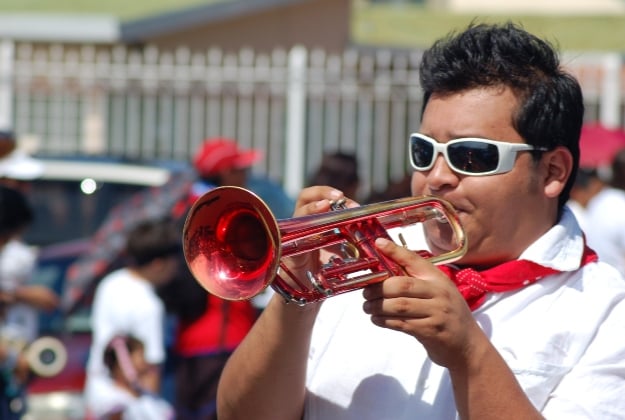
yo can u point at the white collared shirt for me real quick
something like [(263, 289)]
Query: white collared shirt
[(563, 337)]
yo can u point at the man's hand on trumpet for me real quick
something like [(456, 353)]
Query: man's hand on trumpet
[(425, 304), (319, 199), (315, 200)]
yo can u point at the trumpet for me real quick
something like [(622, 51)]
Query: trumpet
[(235, 247)]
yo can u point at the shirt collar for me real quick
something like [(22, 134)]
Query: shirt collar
[(561, 247)]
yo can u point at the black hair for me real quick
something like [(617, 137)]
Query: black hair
[(15, 211), (584, 176), (337, 169), (617, 179), (551, 108), (110, 355), (152, 239)]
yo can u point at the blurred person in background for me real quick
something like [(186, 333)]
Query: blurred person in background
[(339, 170), (209, 328), (526, 325), (18, 259), (126, 303), (19, 301), (587, 185), (394, 190), (124, 356), (605, 216), (219, 161)]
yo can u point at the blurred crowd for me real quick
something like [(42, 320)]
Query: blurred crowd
[(159, 340)]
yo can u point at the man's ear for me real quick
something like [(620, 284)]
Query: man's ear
[(558, 164)]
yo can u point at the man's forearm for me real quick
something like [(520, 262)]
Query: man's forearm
[(265, 377), (38, 296)]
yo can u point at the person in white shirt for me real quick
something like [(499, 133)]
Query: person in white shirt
[(126, 302), (20, 301), (605, 217), (124, 356), (588, 183), (24, 300), (526, 325)]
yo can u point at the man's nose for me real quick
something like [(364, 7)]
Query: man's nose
[(441, 174)]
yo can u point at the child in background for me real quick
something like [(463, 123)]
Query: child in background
[(125, 359), (126, 302)]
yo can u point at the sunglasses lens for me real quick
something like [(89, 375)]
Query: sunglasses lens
[(421, 152), (473, 157)]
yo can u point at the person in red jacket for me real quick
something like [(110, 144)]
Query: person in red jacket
[(205, 340)]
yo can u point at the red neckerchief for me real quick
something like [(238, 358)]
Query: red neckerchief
[(511, 275)]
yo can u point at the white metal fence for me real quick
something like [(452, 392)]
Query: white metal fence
[(293, 104)]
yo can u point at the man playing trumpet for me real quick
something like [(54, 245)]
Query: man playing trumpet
[(528, 324)]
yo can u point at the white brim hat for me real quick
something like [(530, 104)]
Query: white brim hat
[(20, 166)]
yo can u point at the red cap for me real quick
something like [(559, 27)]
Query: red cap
[(219, 154)]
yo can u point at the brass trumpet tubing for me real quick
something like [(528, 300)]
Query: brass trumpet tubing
[(235, 247), (342, 276), (370, 266), (299, 244), (386, 211)]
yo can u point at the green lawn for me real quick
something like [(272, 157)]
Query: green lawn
[(379, 24), (124, 9), (414, 26)]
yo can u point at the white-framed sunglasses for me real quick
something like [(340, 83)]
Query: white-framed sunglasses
[(466, 156)]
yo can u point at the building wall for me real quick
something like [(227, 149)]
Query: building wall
[(321, 23)]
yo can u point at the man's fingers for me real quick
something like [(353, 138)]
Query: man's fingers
[(314, 200), (410, 261)]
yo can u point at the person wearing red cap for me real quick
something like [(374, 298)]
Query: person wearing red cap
[(220, 161), (204, 341)]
